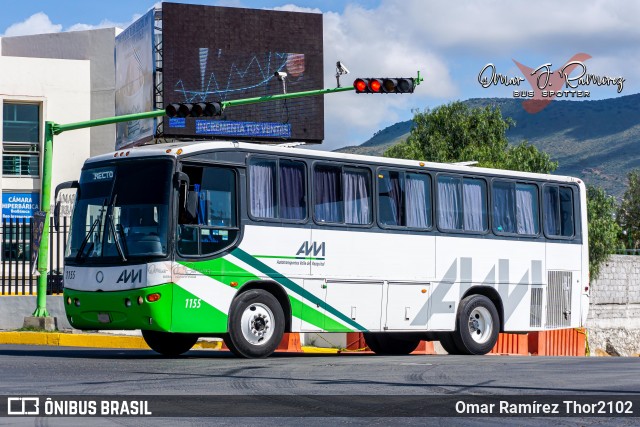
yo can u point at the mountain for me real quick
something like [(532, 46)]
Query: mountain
[(598, 141)]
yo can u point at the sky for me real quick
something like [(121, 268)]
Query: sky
[(449, 42)]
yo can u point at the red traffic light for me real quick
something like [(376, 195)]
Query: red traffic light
[(375, 85), (385, 85), (360, 85)]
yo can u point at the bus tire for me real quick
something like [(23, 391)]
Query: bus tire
[(256, 324), (168, 343), (477, 325), (447, 342), (390, 344)]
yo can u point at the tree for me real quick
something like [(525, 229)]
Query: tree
[(629, 212), (457, 133), (603, 229)]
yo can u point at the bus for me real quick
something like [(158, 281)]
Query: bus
[(246, 242)]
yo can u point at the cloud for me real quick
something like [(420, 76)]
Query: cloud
[(40, 23), (494, 25), (370, 44), (295, 8), (103, 24), (37, 23)]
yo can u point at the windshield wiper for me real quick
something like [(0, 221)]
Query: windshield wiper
[(112, 227), (98, 220)]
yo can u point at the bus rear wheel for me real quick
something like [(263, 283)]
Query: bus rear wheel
[(168, 343), (390, 343), (447, 342), (256, 324), (477, 325)]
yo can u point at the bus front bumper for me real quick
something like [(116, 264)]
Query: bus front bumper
[(145, 308)]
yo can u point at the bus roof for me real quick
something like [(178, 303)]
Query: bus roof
[(182, 149)]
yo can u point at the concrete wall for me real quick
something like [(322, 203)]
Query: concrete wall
[(62, 87), (96, 46), (13, 310), (614, 314)]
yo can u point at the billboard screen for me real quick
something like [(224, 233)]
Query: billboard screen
[(220, 54), (135, 69)]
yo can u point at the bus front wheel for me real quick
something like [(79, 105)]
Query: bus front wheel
[(169, 344), (477, 325), (390, 343), (256, 324)]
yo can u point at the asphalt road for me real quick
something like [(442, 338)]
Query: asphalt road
[(26, 370)]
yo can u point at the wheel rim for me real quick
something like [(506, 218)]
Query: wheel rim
[(480, 325), (257, 324)]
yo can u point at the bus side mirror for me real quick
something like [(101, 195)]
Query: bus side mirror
[(190, 207), (56, 211)]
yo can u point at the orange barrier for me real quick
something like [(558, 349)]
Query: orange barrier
[(290, 343), (516, 344), (560, 342), (356, 342), (425, 347)]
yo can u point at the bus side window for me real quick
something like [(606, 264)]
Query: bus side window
[(566, 212), (462, 204), (342, 195), (558, 211), (390, 196), (277, 189), (404, 199), (515, 208), (214, 226), (329, 205)]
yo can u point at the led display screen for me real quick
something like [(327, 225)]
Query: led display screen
[(215, 54)]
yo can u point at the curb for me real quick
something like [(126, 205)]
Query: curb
[(109, 341)]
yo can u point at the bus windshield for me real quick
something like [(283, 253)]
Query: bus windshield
[(121, 212)]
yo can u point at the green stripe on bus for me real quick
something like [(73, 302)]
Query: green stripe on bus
[(315, 318), (192, 314), (224, 267), (221, 267), (263, 268)]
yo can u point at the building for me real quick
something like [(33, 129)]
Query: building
[(33, 90), (61, 77)]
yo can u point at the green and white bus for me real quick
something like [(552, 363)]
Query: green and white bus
[(246, 242)]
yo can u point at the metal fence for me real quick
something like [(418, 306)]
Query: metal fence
[(627, 252), (17, 272)]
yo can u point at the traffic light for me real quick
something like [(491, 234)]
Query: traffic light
[(200, 109), (385, 85)]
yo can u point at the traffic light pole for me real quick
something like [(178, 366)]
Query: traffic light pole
[(52, 129)]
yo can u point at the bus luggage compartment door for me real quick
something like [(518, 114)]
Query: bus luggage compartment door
[(358, 302), (407, 306)]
